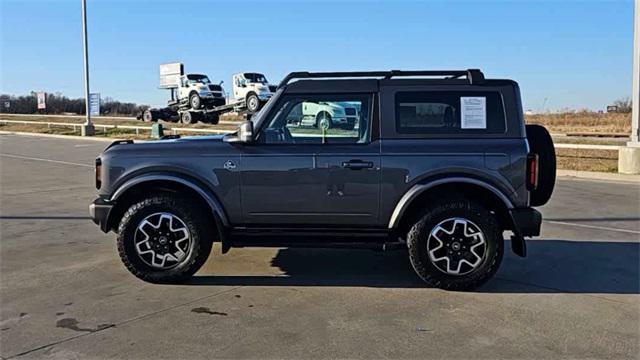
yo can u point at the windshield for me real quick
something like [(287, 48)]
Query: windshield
[(194, 79), (255, 78)]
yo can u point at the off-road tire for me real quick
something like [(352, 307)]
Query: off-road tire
[(194, 101), (193, 217), (148, 116), (541, 143), (455, 208)]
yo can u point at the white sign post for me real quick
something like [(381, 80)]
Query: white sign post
[(42, 100), (170, 75), (94, 104)]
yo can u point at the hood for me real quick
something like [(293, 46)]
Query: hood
[(191, 145)]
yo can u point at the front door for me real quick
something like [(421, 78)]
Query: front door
[(325, 174)]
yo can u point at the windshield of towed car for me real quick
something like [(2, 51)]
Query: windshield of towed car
[(198, 79), (255, 78)]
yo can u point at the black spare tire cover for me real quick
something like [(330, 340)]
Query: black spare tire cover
[(541, 143)]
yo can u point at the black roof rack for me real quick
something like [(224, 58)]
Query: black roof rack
[(475, 76)]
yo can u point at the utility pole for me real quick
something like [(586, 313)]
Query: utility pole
[(87, 127)]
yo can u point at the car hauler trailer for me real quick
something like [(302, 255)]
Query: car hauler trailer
[(194, 98)]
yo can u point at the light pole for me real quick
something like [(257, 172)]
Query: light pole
[(87, 127), (629, 156), (635, 98)]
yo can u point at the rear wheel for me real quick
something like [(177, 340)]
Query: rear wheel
[(164, 239), (541, 143), (213, 118), (456, 245), (187, 118)]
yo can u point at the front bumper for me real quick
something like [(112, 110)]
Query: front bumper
[(264, 96), (99, 212)]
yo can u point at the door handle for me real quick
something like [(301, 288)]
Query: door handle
[(357, 164)]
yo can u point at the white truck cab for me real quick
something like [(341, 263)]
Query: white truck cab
[(337, 114), (197, 91), (253, 88)]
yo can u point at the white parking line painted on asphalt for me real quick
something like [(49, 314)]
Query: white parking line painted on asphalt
[(45, 160), (592, 227)]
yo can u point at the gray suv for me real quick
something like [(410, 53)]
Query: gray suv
[(438, 162)]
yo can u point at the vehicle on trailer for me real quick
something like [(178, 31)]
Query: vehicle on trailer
[(253, 89), (195, 98), (196, 91), (440, 164), (335, 114)]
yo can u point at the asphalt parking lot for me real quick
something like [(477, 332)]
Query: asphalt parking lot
[(65, 294)]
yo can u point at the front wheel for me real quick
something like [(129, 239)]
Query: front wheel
[(456, 245), (195, 101), (253, 103), (164, 239), (324, 117)]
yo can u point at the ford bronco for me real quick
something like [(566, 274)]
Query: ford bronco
[(440, 163)]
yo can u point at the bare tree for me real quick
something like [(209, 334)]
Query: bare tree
[(624, 105)]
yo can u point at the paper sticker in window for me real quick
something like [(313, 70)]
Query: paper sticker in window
[(473, 112)]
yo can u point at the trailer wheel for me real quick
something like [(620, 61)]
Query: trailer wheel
[(147, 116), (195, 101), (253, 103), (187, 117), (213, 119)]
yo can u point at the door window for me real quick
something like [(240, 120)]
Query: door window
[(318, 119)]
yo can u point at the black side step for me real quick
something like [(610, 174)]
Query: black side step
[(379, 246)]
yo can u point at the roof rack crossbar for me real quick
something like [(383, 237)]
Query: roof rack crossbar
[(475, 76)]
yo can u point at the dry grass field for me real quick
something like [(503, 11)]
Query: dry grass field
[(583, 122), (570, 159)]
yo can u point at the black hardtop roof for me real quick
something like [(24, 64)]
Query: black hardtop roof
[(310, 86), (473, 76)]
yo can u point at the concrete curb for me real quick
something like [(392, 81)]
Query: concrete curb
[(602, 176), (74, 137)]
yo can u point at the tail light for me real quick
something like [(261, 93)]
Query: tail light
[(98, 173), (532, 171)]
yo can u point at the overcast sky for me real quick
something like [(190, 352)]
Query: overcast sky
[(575, 54)]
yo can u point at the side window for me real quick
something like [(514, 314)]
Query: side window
[(318, 119), (449, 112)]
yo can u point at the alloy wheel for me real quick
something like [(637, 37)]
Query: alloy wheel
[(456, 246), (162, 240)]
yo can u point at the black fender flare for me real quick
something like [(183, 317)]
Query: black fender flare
[(518, 244), (207, 195)]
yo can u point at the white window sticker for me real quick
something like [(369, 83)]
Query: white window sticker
[(474, 112)]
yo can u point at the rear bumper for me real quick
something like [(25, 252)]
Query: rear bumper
[(99, 212), (526, 221)]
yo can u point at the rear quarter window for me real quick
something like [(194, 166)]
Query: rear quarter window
[(449, 112)]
